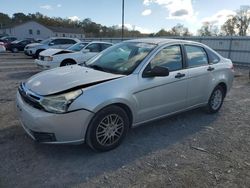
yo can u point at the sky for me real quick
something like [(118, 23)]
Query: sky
[(147, 16)]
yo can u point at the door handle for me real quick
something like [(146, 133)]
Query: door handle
[(179, 75), (210, 68)]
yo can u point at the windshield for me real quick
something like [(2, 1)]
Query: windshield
[(46, 41), (122, 58), (78, 46), (16, 41)]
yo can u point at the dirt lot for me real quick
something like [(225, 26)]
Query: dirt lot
[(192, 149)]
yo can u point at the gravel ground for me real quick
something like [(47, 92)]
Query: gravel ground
[(191, 149)]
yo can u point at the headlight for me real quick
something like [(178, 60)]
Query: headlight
[(59, 103), (48, 58)]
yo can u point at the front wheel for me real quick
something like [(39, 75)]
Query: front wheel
[(36, 55), (216, 100), (14, 50), (67, 63), (107, 129)]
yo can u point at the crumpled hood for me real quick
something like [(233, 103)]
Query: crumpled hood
[(64, 78), (50, 52)]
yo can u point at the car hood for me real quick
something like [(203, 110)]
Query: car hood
[(34, 45), (66, 78), (51, 52)]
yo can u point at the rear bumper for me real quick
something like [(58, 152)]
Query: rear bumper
[(53, 128)]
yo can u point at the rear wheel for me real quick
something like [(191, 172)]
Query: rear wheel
[(216, 100), (67, 62), (107, 129)]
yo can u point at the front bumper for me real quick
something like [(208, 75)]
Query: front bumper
[(46, 64), (53, 128)]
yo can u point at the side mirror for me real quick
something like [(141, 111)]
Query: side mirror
[(85, 50), (157, 71), (51, 43)]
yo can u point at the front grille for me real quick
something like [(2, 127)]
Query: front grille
[(44, 137), (29, 98)]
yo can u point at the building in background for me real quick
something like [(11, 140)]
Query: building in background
[(36, 30)]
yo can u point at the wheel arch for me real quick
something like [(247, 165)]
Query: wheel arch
[(67, 60), (224, 86), (127, 110), (39, 50), (126, 107)]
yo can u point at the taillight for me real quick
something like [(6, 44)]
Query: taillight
[(232, 67)]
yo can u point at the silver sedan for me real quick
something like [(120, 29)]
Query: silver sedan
[(129, 84)]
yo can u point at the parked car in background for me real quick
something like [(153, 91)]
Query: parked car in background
[(38, 40), (128, 84), (3, 35), (7, 39), (18, 45), (2, 47), (76, 54), (55, 42)]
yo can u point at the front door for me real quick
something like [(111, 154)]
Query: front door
[(159, 96)]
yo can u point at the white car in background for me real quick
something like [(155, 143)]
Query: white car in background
[(55, 42), (76, 54), (2, 47)]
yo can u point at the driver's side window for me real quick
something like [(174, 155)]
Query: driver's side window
[(93, 47), (169, 57), (54, 42)]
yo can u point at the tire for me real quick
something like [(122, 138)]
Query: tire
[(107, 129), (67, 62), (216, 100), (35, 56), (14, 50)]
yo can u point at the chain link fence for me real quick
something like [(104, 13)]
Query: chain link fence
[(235, 48)]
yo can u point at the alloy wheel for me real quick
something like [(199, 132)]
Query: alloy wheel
[(216, 99), (109, 130)]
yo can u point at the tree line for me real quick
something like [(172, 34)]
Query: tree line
[(237, 25), (91, 28)]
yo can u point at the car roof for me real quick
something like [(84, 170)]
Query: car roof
[(160, 41), (6, 37), (101, 42), (76, 39)]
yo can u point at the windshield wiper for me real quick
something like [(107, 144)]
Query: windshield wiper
[(96, 67)]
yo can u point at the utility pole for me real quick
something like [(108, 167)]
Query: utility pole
[(122, 19)]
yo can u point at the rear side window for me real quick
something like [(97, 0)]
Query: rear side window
[(70, 41), (104, 46), (63, 41), (67, 41), (196, 56), (213, 58), (24, 42), (169, 57), (95, 47), (56, 42)]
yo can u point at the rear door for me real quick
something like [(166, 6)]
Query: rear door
[(199, 76), (66, 43), (159, 96)]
